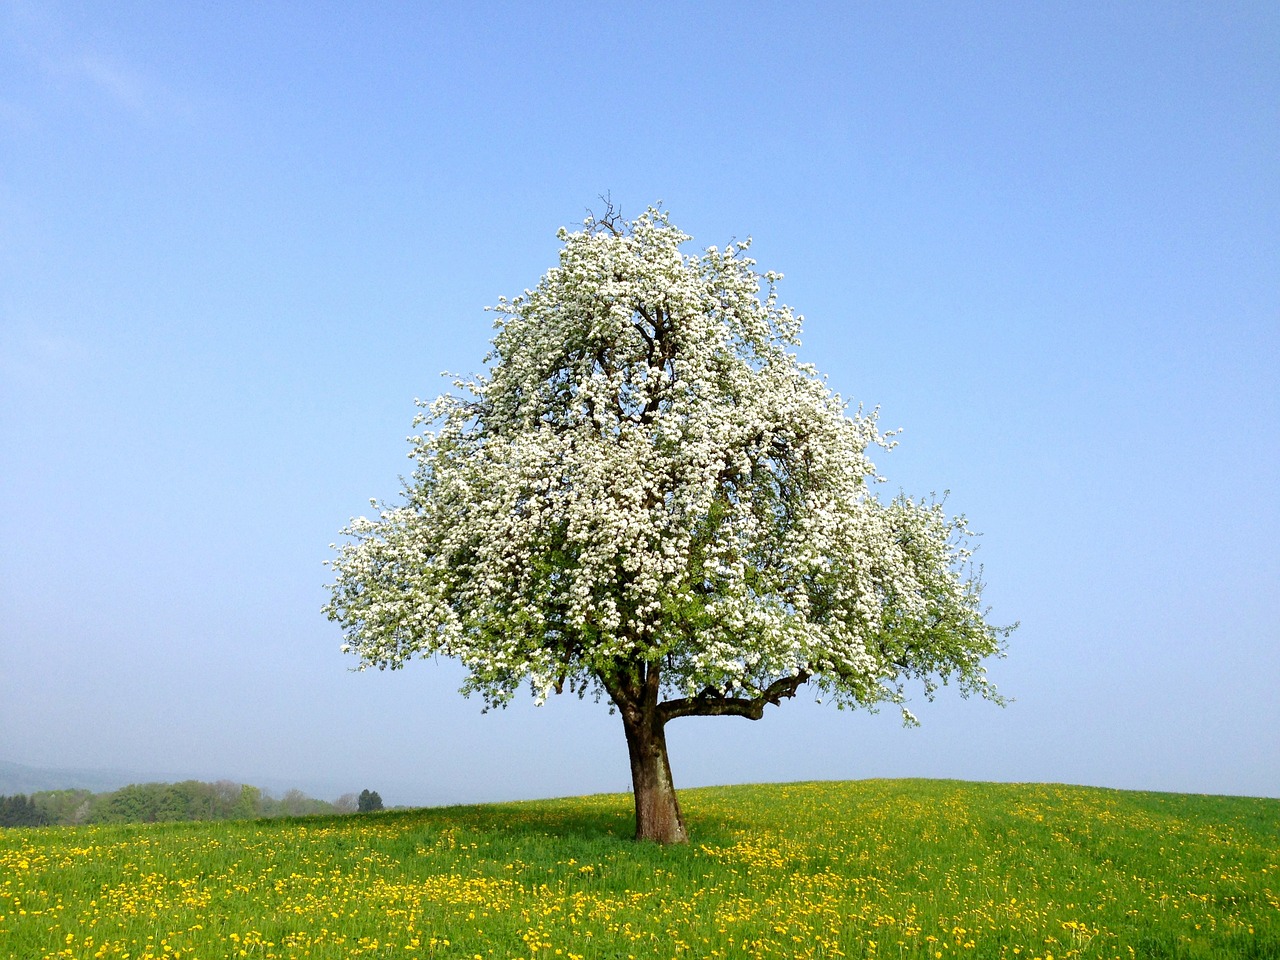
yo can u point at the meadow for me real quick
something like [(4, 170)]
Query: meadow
[(868, 869)]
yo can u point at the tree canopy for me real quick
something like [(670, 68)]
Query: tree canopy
[(648, 498)]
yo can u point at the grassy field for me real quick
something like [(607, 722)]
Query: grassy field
[(921, 869)]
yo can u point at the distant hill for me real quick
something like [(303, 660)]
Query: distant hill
[(19, 778)]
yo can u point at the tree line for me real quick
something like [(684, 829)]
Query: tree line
[(158, 802)]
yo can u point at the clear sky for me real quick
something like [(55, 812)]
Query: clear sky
[(237, 241)]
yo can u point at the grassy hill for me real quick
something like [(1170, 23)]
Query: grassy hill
[(908, 868)]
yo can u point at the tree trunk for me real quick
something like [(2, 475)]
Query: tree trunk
[(658, 816)]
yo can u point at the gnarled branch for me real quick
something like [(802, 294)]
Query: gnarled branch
[(713, 703)]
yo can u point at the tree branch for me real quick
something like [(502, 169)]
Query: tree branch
[(713, 703), (612, 219), (649, 339)]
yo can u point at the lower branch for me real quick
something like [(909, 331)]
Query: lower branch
[(712, 703)]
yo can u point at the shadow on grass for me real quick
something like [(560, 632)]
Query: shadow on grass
[(592, 819)]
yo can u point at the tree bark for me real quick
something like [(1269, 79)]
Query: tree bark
[(658, 816)]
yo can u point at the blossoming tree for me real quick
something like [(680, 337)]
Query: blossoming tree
[(648, 498)]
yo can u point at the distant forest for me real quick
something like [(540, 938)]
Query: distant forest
[(156, 802)]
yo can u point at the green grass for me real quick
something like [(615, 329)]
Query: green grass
[(907, 868)]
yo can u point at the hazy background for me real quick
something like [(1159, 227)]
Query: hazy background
[(236, 243)]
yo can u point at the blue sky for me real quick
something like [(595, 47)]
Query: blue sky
[(236, 244)]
